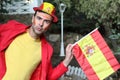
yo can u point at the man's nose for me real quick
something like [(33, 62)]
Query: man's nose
[(41, 23)]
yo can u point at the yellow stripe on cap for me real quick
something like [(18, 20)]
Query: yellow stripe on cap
[(48, 8)]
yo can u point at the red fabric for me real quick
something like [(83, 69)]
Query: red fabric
[(84, 63), (105, 50), (44, 71)]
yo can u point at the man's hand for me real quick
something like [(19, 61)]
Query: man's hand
[(69, 55)]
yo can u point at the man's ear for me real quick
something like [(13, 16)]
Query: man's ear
[(33, 18)]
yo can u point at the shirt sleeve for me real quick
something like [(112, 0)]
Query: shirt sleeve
[(56, 72)]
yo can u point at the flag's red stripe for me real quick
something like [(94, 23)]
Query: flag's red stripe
[(83, 62), (105, 50)]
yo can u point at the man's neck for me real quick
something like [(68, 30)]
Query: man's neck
[(32, 34)]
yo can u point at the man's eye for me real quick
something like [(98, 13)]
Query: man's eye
[(48, 21), (39, 18)]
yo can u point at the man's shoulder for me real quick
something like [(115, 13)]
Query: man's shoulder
[(46, 42), (12, 25), (12, 21)]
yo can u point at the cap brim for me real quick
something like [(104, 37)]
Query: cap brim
[(55, 19), (36, 8)]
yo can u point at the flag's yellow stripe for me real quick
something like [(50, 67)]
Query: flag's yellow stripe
[(97, 59)]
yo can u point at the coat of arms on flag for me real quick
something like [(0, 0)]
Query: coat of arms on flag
[(95, 57)]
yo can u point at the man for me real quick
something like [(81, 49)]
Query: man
[(24, 52)]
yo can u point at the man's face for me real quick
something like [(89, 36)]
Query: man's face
[(41, 22)]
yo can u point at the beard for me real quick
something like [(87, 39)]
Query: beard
[(37, 30)]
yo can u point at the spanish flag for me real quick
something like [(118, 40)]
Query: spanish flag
[(95, 57)]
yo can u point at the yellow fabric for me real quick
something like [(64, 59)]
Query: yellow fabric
[(95, 57), (22, 57)]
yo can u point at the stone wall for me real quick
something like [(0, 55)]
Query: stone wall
[(23, 18), (55, 39)]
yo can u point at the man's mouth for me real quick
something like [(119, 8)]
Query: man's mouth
[(39, 28)]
